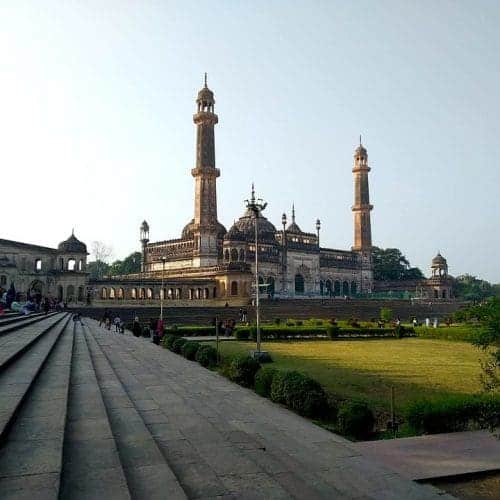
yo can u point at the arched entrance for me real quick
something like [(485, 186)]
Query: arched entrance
[(299, 284)]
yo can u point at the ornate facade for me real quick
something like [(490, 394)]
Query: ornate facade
[(58, 272), (208, 261)]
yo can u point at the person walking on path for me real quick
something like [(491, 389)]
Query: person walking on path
[(136, 327), (117, 322)]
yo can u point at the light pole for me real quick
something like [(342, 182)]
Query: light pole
[(162, 291), (256, 206), (283, 256)]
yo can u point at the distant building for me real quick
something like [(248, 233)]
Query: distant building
[(58, 272)]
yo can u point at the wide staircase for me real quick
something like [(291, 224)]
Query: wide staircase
[(89, 414), (297, 309)]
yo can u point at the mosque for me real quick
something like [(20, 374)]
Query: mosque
[(210, 262)]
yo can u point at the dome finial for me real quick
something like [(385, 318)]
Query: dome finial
[(72, 231), (293, 213), (206, 80), (253, 192), (360, 143)]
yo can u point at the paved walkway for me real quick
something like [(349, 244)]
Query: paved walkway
[(224, 441), (439, 455)]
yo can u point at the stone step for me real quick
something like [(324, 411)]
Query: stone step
[(147, 472), (14, 318), (16, 378), (91, 464), (31, 459), (16, 343), (23, 321)]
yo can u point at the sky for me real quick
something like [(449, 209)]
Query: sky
[(96, 130)]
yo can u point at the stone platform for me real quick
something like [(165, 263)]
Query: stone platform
[(90, 414)]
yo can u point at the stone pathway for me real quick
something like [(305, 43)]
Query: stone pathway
[(438, 455), (90, 414)]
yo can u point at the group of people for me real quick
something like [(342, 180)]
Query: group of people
[(117, 322), (10, 300)]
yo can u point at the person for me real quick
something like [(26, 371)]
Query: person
[(398, 321), (435, 323), (46, 306), (427, 322), (136, 327), (415, 322), (244, 316), (117, 322), (122, 326), (240, 313)]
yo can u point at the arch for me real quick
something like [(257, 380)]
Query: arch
[(321, 287), (299, 284), (133, 293), (38, 264), (71, 264), (150, 293), (345, 288), (270, 285), (436, 294), (328, 286), (80, 294), (214, 292), (61, 263), (60, 293), (354, 288), (206, 293), (222, 288), (104, 293), (234, 255), (170, 293), (3, 280), (234, 288), (226, 255), (80, 265), (199, 293), (70, 293), (120, 293), (112, 293), (443, 294), (242, 255), (191, 294), (142, 293), (178, 293), (336, 288)]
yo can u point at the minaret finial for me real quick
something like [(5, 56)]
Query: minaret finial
[(253, 192), (360, 143), (72, 231), (206, 79), (293, 212)]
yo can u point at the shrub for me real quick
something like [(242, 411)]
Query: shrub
[(333, 331), (168, 340), (299, 322), (333, 321), (355, 419), (178, 344), (300, 393), (206, 356), (318, 322), (263, 380), (454, 413), (353, 322), (242, 333), (385, 314), (253, 332), (189, 350), (242, 370), (277, 321)]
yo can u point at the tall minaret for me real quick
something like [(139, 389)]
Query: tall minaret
[(361, 207), (205, 175), (362, 223)]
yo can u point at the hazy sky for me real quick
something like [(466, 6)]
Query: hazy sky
[(96, 131)]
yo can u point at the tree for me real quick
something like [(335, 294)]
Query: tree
[(97, 270), (101, 254), (468, 287), (391, 265), (129, 265)]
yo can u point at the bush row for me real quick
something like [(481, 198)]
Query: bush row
[(454, 413), (468, 334), (205, 354), (333, 331)]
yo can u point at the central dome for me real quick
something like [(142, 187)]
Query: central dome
[(245, 226)]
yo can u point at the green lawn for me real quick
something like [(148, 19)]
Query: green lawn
[(416, 367)]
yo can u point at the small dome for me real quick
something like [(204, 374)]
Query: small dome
[(234, 234), (72, 245), (144, 226), (294, 228), (187, 232), (245, 225), (360, 150), (439, 260), (205, 94)]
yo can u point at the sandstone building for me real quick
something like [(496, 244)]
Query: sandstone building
[(210, 262), (58, 272)]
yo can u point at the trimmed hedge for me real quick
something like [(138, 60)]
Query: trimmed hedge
[(242, 370), (263, 380), (284, 332), (206, 356), (467, 333), (333, 331), (189, 350), (168, 341), (300, 393), (355, 419), (178, 344), (454, 413), (191, 331)]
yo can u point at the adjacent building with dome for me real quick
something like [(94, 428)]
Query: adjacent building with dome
[(57, 272), (210, 262)]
